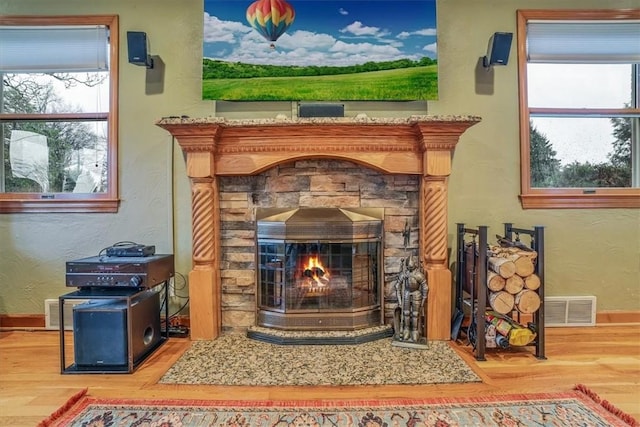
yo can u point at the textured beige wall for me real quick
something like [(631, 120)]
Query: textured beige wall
[(589, 252)]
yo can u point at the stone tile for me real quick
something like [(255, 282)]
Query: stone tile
[(234, 359)]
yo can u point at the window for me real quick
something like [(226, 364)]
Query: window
[(579, 89), (58, 114)]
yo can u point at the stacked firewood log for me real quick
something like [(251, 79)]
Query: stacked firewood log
[(511, 278)]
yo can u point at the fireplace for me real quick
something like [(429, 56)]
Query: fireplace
[(217, 149), (319, 269)]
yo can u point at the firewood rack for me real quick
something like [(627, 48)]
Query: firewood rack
[(471, 280)]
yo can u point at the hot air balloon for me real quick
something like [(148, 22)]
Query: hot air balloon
[(270, 18)]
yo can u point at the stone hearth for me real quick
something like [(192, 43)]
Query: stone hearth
[(215, 148)]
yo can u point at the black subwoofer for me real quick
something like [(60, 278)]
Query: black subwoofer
[(101, 336)]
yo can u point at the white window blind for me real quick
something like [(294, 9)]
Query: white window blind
[(53, 49), (590, 41)]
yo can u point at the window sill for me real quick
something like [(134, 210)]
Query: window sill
[(59, 206), (565, 200)]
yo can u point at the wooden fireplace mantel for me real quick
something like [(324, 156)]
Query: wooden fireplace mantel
[(214, 146)]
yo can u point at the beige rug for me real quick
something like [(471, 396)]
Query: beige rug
[(238, 360)]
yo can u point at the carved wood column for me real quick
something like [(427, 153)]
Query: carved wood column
[(437, 144), (204, 279), (204, 294)]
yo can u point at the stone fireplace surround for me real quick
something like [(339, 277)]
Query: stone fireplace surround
[(216, 147)]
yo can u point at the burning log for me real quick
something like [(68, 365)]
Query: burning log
[(313, 272)]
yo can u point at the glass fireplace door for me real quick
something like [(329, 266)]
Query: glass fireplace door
[(309, 282), (318, 276)]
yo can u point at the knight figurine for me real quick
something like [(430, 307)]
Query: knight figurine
[(411, 290)]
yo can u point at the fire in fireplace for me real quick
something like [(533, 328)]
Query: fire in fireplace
[(319, 268)]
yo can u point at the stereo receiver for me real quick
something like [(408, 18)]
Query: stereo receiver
[(125, 272), (130, 250)]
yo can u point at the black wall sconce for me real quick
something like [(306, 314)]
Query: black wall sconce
[(138, 49), (498, 51)]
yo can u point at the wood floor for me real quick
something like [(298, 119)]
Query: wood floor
[(604, 358)]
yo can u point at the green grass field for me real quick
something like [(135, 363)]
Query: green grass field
[(405, 84)]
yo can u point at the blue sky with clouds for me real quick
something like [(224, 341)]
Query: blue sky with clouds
[(325, 32)]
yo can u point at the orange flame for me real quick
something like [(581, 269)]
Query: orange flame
[(316, 271), (313, 262)]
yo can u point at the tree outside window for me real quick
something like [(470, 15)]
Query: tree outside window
[(547, 171)]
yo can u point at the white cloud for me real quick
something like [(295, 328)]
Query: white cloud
[(305, 47), (365, 48), (432, 47), (423, 32), (306, 39), (426, 32), (310, 49), (342, 11), (356, 28), (216, 30)]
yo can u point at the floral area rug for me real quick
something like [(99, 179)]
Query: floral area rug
[(579, 407), (238, 360)]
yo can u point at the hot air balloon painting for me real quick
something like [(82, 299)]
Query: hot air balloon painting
[(270, 18), (319, 50)]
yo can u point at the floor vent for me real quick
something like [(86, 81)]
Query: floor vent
[(570, 311), (52, 313)]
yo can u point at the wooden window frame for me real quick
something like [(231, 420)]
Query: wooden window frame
[(563, 198), (107, 202)]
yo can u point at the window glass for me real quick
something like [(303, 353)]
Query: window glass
[(579, 85), (56, 93), (580, 112), (57, 114), (580, 152), (56, 157)]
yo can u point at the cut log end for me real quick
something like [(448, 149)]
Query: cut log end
[(527, 301), (503, 266), (524, 264), (501, 302), (532, 282), (514, 284), (495, 282)]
